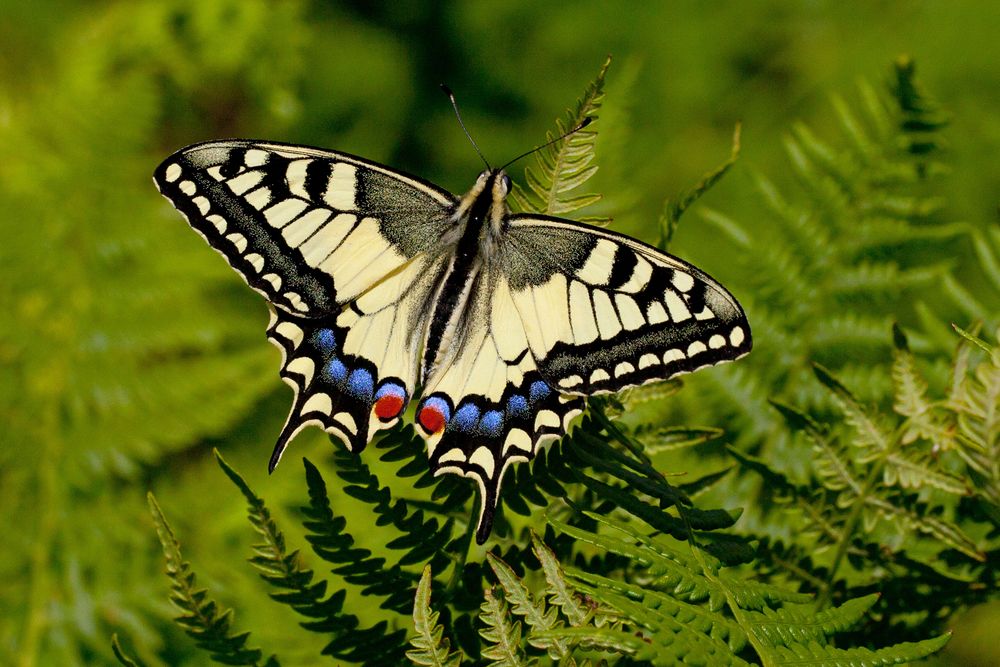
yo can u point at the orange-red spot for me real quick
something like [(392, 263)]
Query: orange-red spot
[(388, 406), (431, 419)]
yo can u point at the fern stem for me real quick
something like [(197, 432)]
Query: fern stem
[(823, 599)]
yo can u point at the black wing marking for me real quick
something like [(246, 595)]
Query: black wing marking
[(603, 312), (309, 229)]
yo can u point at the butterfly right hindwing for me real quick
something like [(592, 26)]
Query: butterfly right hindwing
[(487, 406)]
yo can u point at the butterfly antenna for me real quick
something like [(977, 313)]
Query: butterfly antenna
[(586, 121), (454, 104)]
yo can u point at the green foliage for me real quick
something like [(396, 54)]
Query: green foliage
[(128, 351), (861, 243), (896, 501), (663, 603), (122, 657)]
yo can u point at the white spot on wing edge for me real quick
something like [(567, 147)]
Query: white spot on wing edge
[(274, 279), (346, 420), (570, 382), (256, 261), (696, 347), (624, 368), (187, 187), (296, 301), (672, 355), (218, 221), (647, 360), (172, 173), (290, 332), (737, 336), (716, 341), (599, 375), (453, 454), (238, 240), (546, 418)]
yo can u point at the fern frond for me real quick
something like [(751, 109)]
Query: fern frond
[(560, 593), (671, 438), (201, 617), (829, 656), (537, 615), (421, 538), (329, 539), (608, 639), (772, 622), (296, 588), (566, 164), (430, 646), (502, 632)]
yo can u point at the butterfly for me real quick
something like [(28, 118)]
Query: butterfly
[(385, 289)]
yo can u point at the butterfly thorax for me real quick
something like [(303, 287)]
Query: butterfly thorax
[(479, 220)]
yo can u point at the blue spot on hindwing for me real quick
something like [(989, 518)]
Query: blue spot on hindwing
[(336, 370), (517, 406), (391, 389), (361, 384), (325, 340), (466, 417), (538, 391), (491, 423)]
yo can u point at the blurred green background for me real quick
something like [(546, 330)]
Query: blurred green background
[(128, 349)]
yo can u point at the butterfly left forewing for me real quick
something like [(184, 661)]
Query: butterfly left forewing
[(603, 312), (308, 229)]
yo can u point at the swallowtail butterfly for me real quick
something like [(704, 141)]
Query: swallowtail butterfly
[(384, 288)]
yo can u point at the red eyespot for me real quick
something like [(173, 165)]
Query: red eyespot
[(431, 419), (388, 406)]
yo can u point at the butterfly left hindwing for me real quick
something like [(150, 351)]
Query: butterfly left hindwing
[(354, 373)]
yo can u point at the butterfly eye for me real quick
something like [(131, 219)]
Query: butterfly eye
[(505, 180)]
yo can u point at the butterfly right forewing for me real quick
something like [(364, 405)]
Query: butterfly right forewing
[(603, 312)]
